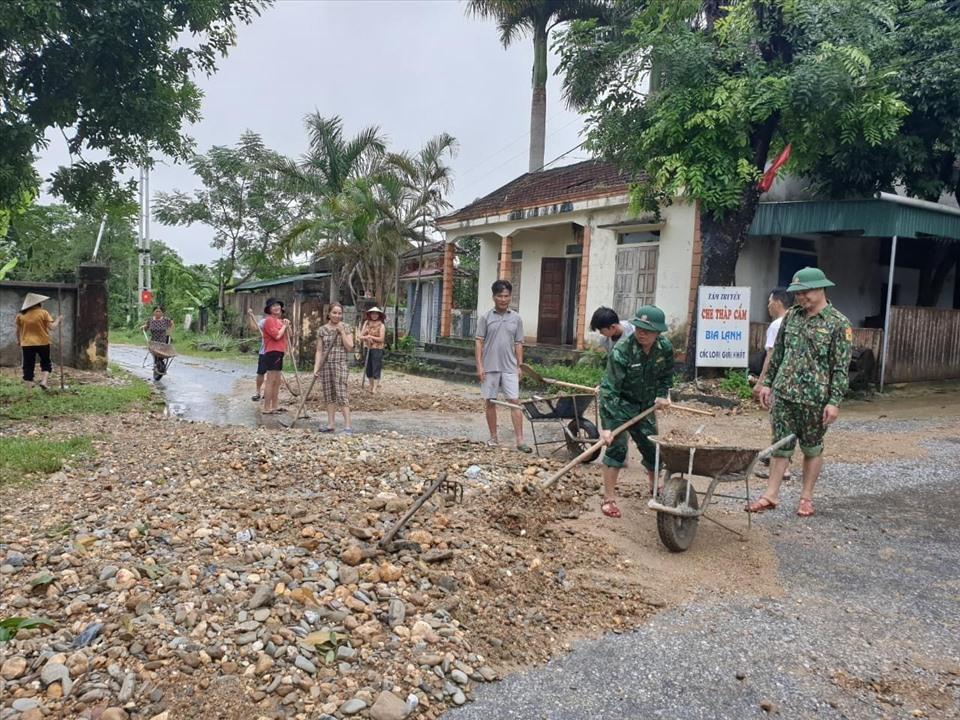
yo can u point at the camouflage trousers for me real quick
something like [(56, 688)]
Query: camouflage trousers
[(804, 421), (615, 455)]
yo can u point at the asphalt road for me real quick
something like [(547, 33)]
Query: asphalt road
[(868, 625)]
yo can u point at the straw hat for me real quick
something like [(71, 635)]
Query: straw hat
[(373, 310), (32, 299)]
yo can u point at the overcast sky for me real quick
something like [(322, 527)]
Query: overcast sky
[(414, 67)]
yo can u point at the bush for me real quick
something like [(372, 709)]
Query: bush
[(407, 344), (735, 383), (677, 335), (578, 374)]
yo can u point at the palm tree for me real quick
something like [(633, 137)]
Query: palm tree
[(320, 177), (537, 17)]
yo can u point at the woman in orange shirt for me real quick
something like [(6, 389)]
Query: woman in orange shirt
[(33, 336), (275, 345)]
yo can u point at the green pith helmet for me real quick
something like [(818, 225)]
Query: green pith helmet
[(649, 317), (808, 279)]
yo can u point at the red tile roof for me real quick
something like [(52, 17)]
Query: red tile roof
[(588, 179)]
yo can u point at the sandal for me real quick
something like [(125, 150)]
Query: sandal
[(762, 504), (327, 429), (805, 509), (610, 509), (493, 442), (524, 448), (257, 398)]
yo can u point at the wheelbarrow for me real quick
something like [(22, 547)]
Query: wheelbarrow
[(569, 413), (163, 354), (679, 506)]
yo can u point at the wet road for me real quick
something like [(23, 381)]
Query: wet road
[(215, 391), (218, 391)]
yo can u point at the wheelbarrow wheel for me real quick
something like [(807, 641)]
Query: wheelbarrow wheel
[(676, 532), (581, 433)]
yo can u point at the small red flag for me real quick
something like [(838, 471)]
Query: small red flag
[(146, 297), (766, 182)]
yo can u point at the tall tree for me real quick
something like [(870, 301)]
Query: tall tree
[(536, 17), (242, 200), (113, 76), (734, 82)]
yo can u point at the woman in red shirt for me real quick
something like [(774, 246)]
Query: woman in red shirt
[(274, 345)]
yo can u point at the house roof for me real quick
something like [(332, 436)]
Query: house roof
[(428, 249), (588, 179), (259, 284)]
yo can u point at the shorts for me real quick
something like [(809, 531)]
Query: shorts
[(272, 361), (262, 364), (30, 355), (804, 421), (495, 382), (374, 366), (615, 455)]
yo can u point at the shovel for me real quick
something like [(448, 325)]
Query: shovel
[(303, 400), (537, 377)]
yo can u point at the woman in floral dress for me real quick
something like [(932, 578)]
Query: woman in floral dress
[(335, 342)]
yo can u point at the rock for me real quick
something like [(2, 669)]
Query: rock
[(349, 575), (125, 579), (459, 677), (420, 629), (459, 698), (25, 704), (264, 663), (57, 672), (263, 595), (114, 713), (388, 707), (305, 665), (396, 612), (261, 615), (353, 706), (126, 690), (87, 636), (13, 667), (107, 572), (15, 559), (390, 572), (352, 556), (769, 707), (420, 536), (487, 673), (345, 652)]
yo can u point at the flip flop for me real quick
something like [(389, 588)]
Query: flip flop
[(325, 430), (255, 398), (805, 509), (610, 509), (492, 442), (761, 504), (524, 448)]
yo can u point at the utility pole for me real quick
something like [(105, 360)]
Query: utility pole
[(144, 262)]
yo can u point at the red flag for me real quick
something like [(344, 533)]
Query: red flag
[(767, 180)]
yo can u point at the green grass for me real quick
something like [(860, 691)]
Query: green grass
[(208, 345), (22, 457), (18, 403), (578, 374), (735, 383)]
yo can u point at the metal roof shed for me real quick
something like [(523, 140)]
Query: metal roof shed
[(885, 215)]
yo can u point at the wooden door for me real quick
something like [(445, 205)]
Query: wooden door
[(636, 279), (550, 320)]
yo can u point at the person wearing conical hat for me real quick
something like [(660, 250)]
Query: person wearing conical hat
[(638, 376), (373, 335), (805, 381), (34, 324)]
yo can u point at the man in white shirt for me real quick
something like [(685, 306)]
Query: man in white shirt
[(778, 303), (612, 329)]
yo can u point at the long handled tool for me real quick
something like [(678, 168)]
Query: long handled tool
[(597, 445), (538, 378), (291, 348), (60, 336), (303, 400)]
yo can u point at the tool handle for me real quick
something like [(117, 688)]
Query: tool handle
[(593, 448), (561, 383), (695, 411)]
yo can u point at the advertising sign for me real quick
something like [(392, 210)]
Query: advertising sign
[(723, 327)]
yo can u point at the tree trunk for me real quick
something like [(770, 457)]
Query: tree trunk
[(538, 103), (721, 240), (933, 274)]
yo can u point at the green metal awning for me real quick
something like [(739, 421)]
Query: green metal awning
[(259, 284), (884, 216)]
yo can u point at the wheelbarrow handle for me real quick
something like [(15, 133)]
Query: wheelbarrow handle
[(776, 446), (561, 383)]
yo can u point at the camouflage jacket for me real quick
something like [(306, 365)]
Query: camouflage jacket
[(811, 357), (633, 379)]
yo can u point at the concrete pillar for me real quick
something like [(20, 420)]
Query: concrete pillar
[(584, 283), (446, 308), (92, 319), (506, 257)]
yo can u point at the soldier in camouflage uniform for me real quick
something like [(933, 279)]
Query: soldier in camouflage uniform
[(806, 381), (638, 376)]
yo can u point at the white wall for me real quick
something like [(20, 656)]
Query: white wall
[(673, 263), (487, 272), (757, 268)]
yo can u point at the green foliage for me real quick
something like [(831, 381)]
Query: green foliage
[(406, 345), (468, 257), (114, 75), (677, 380), (731, 86), (577, 374), (735, 383), (242, 200), (9, 627), (21, 457), (594, 358), (18, 402)]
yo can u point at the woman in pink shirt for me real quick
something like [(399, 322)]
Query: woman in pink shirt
[(274, 345)]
